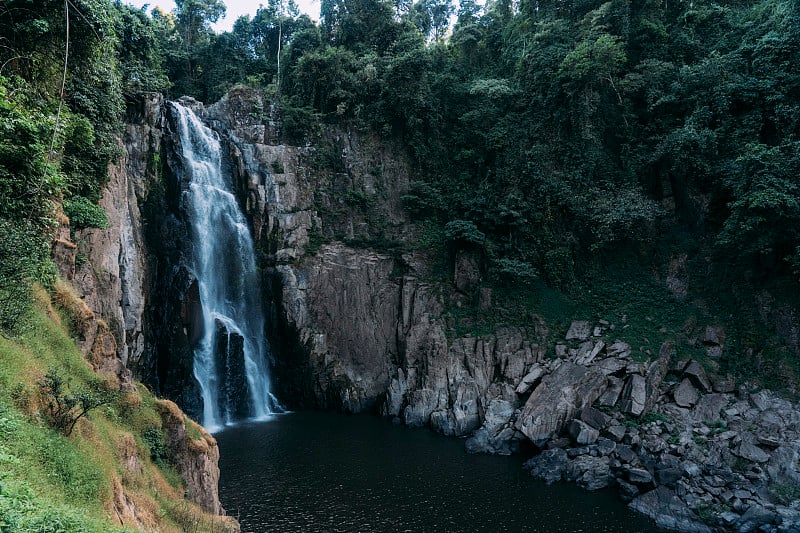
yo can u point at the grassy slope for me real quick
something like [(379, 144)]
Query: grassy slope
[(49, 482)]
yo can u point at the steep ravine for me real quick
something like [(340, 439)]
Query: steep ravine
[(357, 330)]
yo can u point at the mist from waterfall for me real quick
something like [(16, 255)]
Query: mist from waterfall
[(230, 359)]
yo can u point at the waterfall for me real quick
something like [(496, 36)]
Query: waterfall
[(230, 359)]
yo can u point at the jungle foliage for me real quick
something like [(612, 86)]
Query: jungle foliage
[(549, 135), (561, 130), (558, 138)]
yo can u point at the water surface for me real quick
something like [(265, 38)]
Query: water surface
[(328, 472)]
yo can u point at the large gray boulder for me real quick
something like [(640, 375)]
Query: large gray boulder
[(582, 433), (634, 395), (549, 466), (708, 408), (685, 394), (695, 372), (579, 330), (591, 473), (668, 511), (558, 399)]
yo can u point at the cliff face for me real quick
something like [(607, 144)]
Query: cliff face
[(129, 324), (357, 330), (357, 323)]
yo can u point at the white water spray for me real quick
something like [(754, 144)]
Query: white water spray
[(230, 290)]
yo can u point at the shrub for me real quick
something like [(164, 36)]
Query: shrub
[(83, 213), (24, 260), (63, 408), (159, 451)]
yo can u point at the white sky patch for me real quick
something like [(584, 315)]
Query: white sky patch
[(235, 9)]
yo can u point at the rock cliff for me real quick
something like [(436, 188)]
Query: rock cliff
[(359, 324), (359, 330), (114, 279)]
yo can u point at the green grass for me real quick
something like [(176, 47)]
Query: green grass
[(47, 482), (53, 483)]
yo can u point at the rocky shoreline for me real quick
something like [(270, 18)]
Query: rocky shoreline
[(692, 452)]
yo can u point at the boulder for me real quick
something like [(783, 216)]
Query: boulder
[(626, 454), (595, 418), (534, 375), (634, 395), (579, 330), (668, 475), (714, 336), (559, 398), (606, 446), (708, 408), (762, 400), (695, 372), (668, 511), (590, 473), (589, 356), (627, 491), (619, 349), (549, 466), (640, 477), (611, 395), (498, 413), (751, 452), (754, 518), (505, 442), (611, 365), (615, 432), (685, 394), (784, 464), (582, 433)]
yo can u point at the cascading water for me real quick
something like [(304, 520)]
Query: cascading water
[(230, 357)]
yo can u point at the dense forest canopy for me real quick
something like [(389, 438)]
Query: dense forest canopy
[(546, 135)]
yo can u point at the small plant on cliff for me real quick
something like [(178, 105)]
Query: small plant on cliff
[(63, 407), (159, 451), (83, 213), (24, 260)]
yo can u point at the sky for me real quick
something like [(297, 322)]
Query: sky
[(235, 9)]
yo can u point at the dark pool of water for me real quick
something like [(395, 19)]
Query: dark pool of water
[(328, 472)]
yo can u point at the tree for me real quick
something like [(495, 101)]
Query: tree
[(65, 407), (188, 43)]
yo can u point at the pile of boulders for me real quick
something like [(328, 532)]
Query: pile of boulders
[(686, 448)]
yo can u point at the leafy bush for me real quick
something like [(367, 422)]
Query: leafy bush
[(514, 269), (465, 232), (63, 408), (159, 450), (83, 213), (24, 260)]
